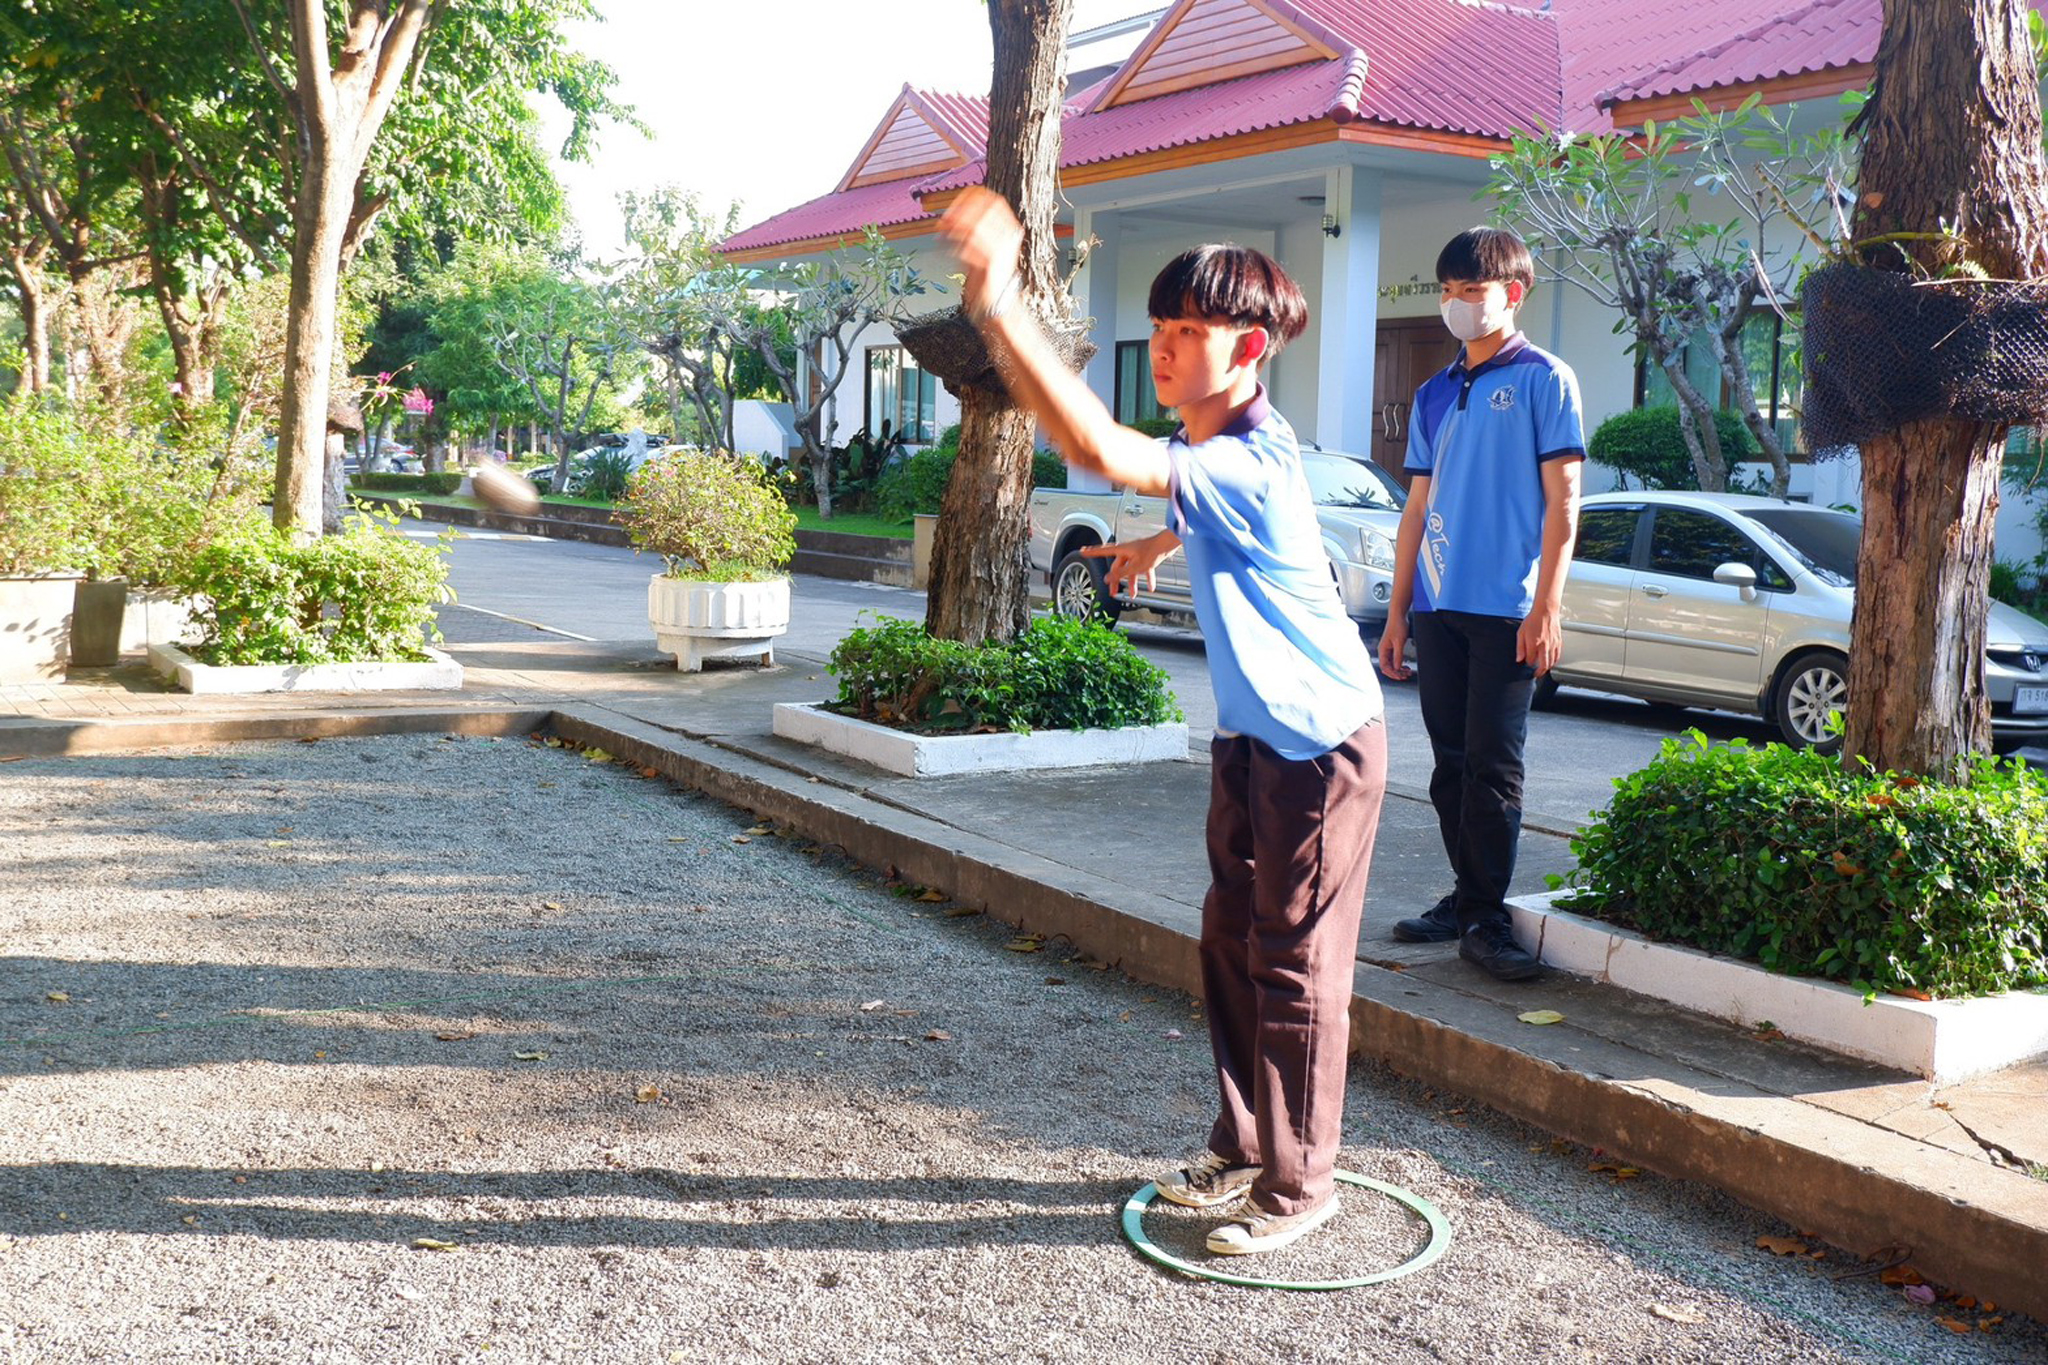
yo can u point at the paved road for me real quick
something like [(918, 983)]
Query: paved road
[(599, 592)]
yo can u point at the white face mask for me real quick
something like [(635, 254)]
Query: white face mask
[(1471, 321)]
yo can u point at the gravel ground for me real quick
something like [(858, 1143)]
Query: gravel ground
[(423, 1049)]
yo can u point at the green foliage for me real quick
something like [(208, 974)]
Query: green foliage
[(2005, 583), (436, 485), (365, 595), (710, 516), (1157, 426), (1782, 856), (1058, 675), (604, 476), (918, 483), (80, 492), (1647, 443)]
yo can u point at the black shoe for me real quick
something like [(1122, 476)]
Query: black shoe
[(1438, 924), (1493, 950)]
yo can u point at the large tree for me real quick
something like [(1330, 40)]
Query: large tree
[(980, 559), (1951, 175)]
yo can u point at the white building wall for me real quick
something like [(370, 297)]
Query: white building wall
[(934, 266)]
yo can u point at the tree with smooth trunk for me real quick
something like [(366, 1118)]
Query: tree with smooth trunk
[(1951, 173)]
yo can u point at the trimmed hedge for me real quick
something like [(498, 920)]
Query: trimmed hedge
[(1883, 881), (1647, 443), (438, 485), (1058, 675)]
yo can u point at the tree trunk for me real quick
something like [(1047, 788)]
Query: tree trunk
[(30, 288), (984, 520), (325, 194), (1951, 135), (1696, 425), (333, 490)]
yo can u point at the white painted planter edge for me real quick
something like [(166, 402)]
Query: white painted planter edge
[(1942, 1040), (439, 673), (909, 755)]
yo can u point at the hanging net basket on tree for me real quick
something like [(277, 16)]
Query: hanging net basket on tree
[(1885, 349), (948, 345)]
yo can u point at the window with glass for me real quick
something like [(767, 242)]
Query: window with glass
[(902, 395), (1770, 352), (1136, 399), (1688, 544), (1607, 535)]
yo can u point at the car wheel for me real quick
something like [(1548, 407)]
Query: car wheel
[(1813, 688), (1077, 592), (1545, 695)]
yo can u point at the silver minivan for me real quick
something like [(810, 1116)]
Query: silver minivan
[(1742, 603)]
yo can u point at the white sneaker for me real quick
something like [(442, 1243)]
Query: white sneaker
[(1256, 1230), (1206, 1182)]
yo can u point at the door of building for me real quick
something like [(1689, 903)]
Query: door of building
[(1409, 351)]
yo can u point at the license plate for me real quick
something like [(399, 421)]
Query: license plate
[(2029, 701)]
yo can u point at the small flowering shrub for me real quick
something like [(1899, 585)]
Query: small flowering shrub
[(709, 515)]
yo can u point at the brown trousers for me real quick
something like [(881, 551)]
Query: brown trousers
[(1290, 842)]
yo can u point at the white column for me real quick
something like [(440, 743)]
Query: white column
[(1348, 311), (1096, 290)]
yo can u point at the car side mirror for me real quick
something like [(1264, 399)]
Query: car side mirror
[(1738, 576)]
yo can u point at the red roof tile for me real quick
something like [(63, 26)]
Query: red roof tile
[(842, 213), (1817, 36)]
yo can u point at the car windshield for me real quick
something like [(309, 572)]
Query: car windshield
[(1825, 541), (1342, 481)]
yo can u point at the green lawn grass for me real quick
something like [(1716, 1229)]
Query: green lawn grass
[(852, 524)]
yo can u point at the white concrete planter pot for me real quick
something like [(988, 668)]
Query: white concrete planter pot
[(438, 673), (899, 751), (697, 620), (35, 627), (155, 616), (1942, 1040)]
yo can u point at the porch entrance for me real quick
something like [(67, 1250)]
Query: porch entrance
[(1408, 351)]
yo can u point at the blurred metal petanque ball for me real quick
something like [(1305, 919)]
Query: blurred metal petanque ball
[(504, 490)]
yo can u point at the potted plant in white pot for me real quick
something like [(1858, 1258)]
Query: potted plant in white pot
[(42, 467), (727, 534)]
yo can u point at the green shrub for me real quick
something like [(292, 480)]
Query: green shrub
[(1058, 675), (1784, 857), (917, 483), (2005, 583), (709, 515), (365, 595), (1646, 443), (603, 476), (1157, 426), (434, 485)]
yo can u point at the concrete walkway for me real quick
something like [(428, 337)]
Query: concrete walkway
[(1111, 859)]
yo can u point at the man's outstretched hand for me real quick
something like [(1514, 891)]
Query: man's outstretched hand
[(986, 236)]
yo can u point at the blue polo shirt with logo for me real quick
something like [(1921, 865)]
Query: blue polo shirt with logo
[(1287, 664), (1483, 435)]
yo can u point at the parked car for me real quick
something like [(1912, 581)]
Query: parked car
[(1358, 505), (1742, 604)]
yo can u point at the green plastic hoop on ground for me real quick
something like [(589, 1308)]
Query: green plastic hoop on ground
[(1439, 1241)]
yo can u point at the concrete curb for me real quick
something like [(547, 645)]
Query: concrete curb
[(1852, 1183)]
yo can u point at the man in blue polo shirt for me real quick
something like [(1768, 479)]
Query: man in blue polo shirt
[(1494, 450)]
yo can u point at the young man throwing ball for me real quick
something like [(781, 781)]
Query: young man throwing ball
[(1298, 765)]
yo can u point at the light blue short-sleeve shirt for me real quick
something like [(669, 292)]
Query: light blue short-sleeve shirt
[(1287, 664), (1483, 436)]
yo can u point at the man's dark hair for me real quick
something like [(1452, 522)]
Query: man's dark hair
[(1486, 254), (1245, 288)]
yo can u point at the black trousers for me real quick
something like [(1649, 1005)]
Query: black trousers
[(1475, 706)]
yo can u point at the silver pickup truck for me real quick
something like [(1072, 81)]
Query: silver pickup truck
[(1358, 504)]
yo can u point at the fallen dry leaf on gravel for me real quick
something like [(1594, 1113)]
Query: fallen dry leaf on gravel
[(453, 1037), (1025, 945), (1673, 1313), (58, 997), (431, 1244), (1783, 1246), (529, 1056), (938, 1035), (1541, 1017), (647, 1094)]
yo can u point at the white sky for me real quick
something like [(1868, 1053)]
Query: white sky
[(768, 102)]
